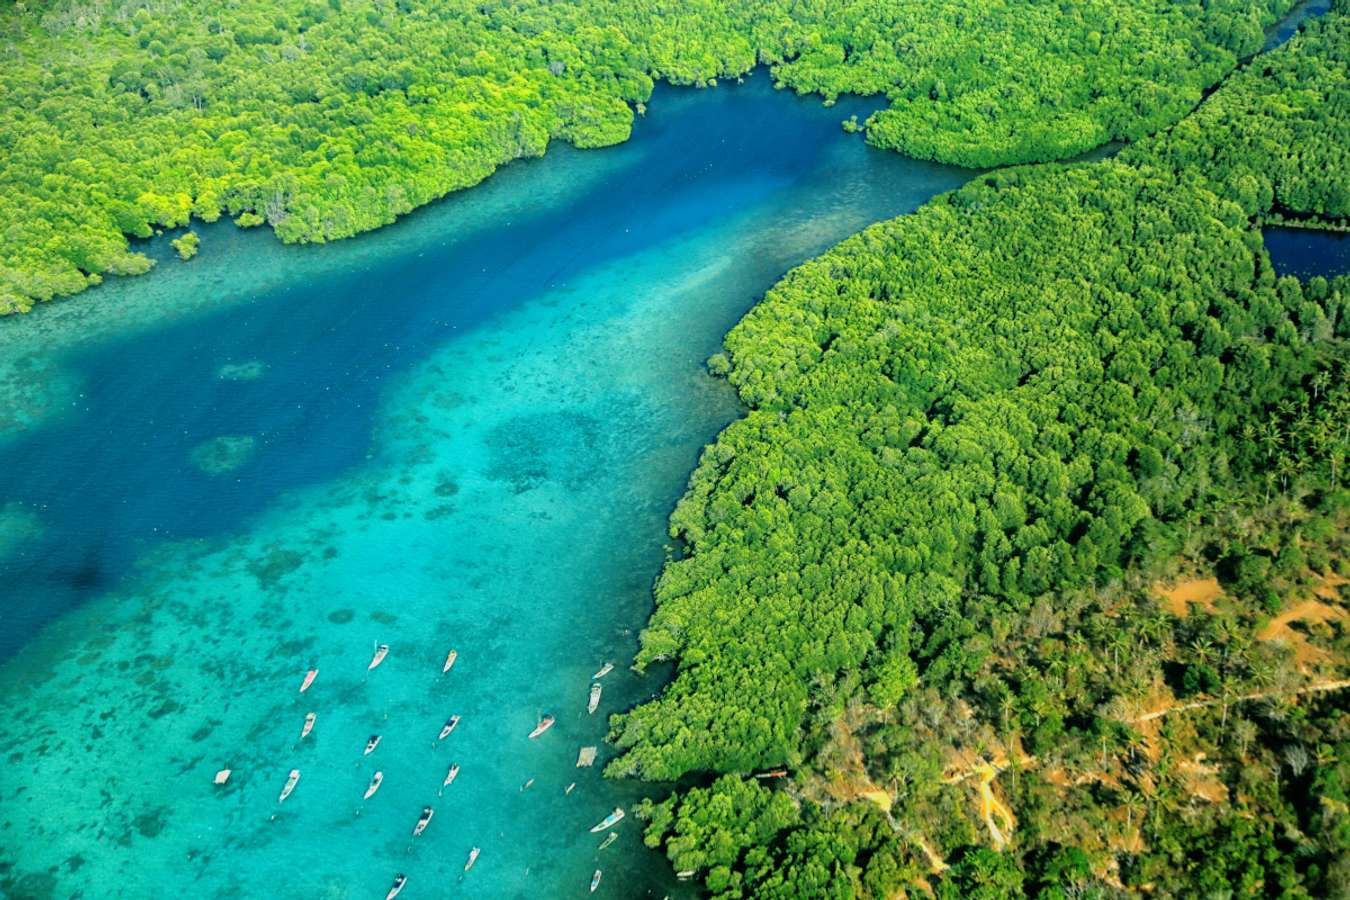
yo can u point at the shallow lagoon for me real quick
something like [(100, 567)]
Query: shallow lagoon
[(466, 430)]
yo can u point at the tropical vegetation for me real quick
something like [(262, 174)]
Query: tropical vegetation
[(922, 574), (326, 119)]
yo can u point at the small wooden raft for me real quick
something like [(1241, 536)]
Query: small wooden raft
[(586, 757)]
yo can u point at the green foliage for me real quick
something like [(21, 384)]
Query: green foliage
[(325, 120), (970, 429), (187, 245)]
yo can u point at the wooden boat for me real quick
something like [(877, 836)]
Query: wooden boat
[(399, 881), (594, 702), (291, 781), (421, 826), (372, 743), (222, 776), (309, 679), (450, 776), (544, 725), (380, 653), (610, 820), (473, 857), (375, 781), (448, 727), (776, 773), (595, 881), (449, 661), (613, 836), (309, 725), (604, 670)]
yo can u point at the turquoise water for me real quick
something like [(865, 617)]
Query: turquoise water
[(466, 430)]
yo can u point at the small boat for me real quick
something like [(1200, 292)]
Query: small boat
[(290, 784), (380, 653), (544, 725), (613, 836), (473, 857), (609, 820), (685, 875), (449, 661), (604, 670), (567, 790), (222, 776), (309, 679), (376, 780), (372, 743), (526, 786), (309, 725), (595, 881), (399, 881), (421, 826), (448, 727), (594, 702), (776, 773), (450, 776)]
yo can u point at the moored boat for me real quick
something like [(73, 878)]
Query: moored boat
[(309, 679), (372, 743), (594, 702), (595, 881), (473, 857), (449, 661), (399, 881), (222, 776), (450, 776), (308, 726), (448, 727), (609, 820), (544, 725), (291, 781), (375, 781), (604, 670), (421, 826), (380, 653), (611, 838)]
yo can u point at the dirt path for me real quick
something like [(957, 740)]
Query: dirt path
[(1242, 698)]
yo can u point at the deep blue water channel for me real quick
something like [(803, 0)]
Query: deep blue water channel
[(464, 431)]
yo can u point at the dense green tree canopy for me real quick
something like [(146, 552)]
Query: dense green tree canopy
[(1036, 388), (325, 119)]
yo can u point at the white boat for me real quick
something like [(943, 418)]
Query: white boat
[(372, 743), (376, 780), (609, 820), (473, 857), (526, 786), (595, 881), (421, 826), (613, 836), (399, 881), (544, 725), (604, 670), (450, 776), (290, 784), (448, 727), (594, 702), (449, 661), (380, 653), (222, 776), (309, 725), (309, 679)]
